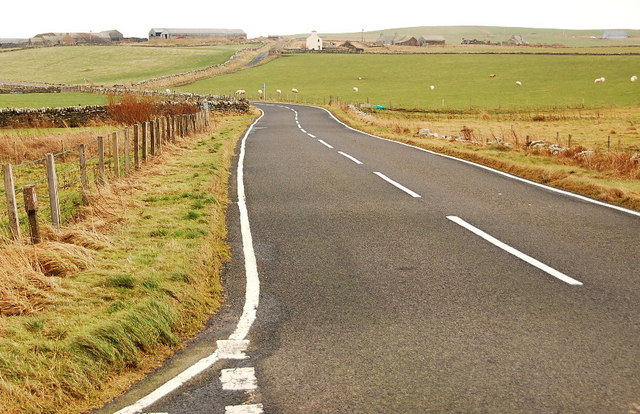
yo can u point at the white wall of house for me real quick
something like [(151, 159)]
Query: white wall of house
[(314, 42)]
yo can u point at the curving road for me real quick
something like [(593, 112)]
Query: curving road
[(393, 280)]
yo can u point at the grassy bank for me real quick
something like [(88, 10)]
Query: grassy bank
[(608, 182), (51, 100), (90, 310)]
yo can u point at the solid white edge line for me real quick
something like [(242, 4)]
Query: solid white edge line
[(398, 185), (250, 305), (357, 161), (553, 272), (324, 143), (514, 177)]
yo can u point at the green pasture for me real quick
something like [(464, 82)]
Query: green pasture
[(51, 100), (107, 64), (460, 81)]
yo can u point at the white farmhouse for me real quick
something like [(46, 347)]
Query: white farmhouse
[(314, 42)]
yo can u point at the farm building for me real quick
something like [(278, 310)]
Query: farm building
[(356, 48), (615, 34), (314, 42), (165, 33), (104, 37), (397, 41), (13, 43), (516, 40), (431, 40)]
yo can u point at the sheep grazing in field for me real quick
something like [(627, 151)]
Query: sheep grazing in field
[(599, 80), (294, 90), (355, 89), (493, 75), (278, 91), (359, 77), (259, 91), (432, 87), (634, 78), (240, 92), (518, 83)]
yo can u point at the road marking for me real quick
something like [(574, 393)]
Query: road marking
[(232, 349), (398, 185), (324, 143), (311, 135), (484, 167), (252, 295), (302, 129), (350, 157), (553, 272), (244, 409), (238, 379)]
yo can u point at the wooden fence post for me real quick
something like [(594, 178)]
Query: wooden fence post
[(136, 146), (12, 207), (115, 153), (145, 135), (127, 152), (52, 180), (152, 129), (31, 207), (84, 177), (101, 173)]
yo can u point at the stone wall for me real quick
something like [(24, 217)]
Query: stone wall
[(74, 116)]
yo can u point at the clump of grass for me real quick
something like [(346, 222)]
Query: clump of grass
[(123, 281)]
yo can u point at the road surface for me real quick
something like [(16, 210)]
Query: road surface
[(393, 280)]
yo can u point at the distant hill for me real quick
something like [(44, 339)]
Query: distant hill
[(455, 34)]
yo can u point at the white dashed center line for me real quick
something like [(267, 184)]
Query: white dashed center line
[(398, 185), (324, 143), (553, 272), (350, 157)]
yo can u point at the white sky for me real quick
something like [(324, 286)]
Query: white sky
[(278, 17)]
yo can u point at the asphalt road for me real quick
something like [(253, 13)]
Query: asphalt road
[(375, 297)]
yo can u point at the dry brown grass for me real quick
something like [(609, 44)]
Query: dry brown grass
[(606, 175)]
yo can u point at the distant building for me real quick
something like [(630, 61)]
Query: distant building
[(7, 43), (406, 41), (314, 42), (615, 34), (431, 40), (516, 40), (104, 37), (166, 33)]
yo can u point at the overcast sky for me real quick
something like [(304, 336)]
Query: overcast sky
[(134, 18)]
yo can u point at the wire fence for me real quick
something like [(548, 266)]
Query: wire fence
[(61, 181)]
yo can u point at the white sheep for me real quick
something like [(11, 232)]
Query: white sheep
[(634, 78), (355, 89), (518, 83), (278, 91), (240, 92), (259, 91), (294, 90), (493, 75), (432, 87), (599, 80)]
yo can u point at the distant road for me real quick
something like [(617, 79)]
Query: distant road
[(393, 280)]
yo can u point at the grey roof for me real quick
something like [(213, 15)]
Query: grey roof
[(615, 34)]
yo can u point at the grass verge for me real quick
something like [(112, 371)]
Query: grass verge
[(123, 287), (534, 165)]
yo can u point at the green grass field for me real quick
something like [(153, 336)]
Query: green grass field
[(461, 81), (51, 100), (107, 64)]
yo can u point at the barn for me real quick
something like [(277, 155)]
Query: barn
[(615, 34), (431, 40), (167, 33)]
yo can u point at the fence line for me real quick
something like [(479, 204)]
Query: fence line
[(71, 174)]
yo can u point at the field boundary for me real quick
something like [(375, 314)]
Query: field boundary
[(69, 184)]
